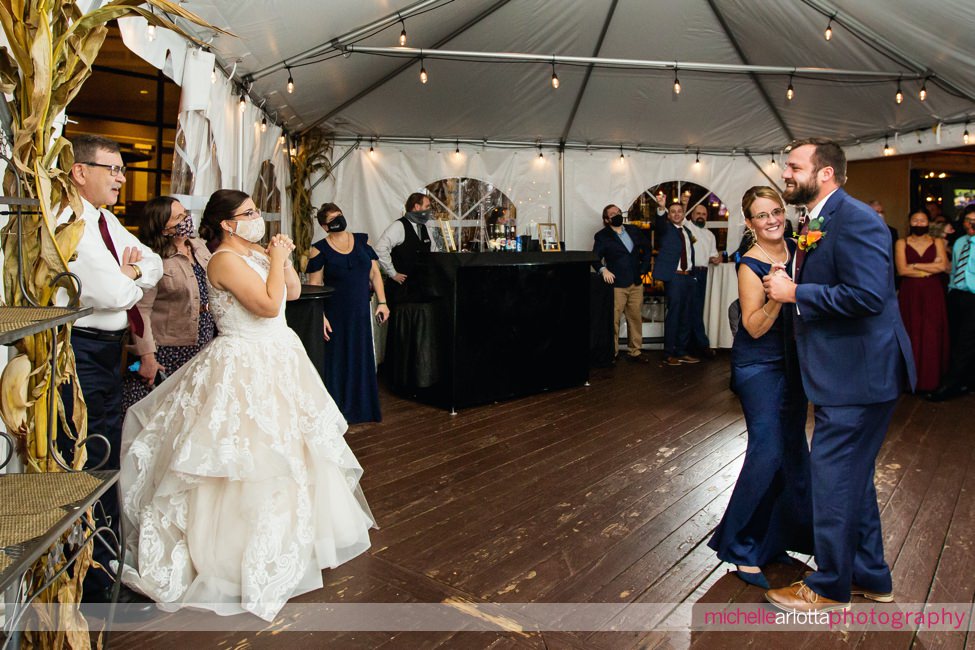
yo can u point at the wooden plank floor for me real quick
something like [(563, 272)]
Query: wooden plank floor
[(608, 494)]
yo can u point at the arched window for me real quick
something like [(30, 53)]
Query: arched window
[(467, 211), (643, 210)]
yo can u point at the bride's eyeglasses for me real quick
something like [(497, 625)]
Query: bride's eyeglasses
[(253, 213), (778, 213)]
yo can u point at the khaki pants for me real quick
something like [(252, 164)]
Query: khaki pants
[(628, 301)]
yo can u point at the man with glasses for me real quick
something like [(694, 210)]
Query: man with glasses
[(960, 377), (114, 268)]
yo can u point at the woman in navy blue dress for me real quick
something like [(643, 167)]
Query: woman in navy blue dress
[(770, 510), (346, 262)]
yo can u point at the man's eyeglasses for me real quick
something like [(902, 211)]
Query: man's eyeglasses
[(763, 216), (252, 213), (114, 170)]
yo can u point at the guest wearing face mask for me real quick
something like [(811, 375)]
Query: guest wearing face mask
[(922, 262), (623, 253), (175, 312), (401, 243), (349, 264)]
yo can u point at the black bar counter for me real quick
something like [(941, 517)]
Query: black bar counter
[(305, 316), (499, 325)]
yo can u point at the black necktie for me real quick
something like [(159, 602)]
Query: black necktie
[(803, 230), (683, 250), (424, 235)]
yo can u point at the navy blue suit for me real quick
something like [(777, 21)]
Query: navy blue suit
[(626, 265), (680, 288), (855, 359)]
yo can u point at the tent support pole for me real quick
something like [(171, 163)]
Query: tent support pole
[(754, 77), (758, 166), (395, 73), (562, 191), (585, 79)]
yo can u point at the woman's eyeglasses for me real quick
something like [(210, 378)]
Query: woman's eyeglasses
[(763, 216), (253, 213)]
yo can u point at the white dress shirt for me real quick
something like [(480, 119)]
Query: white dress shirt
[(392, 237), (706, 245), (103, 285)]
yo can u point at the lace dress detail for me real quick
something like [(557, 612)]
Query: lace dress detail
[(237, 485)]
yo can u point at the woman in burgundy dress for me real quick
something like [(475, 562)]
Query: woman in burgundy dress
[(922, 262)]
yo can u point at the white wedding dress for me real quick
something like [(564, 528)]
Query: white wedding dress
[(237, 485)]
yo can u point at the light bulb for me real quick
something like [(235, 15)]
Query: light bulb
[(402, 37), (888, 150), (423, 74), (263, 125), (213, 76), (964, 136), (790, 92), (291, 82), (828, 34), (899, 97), (923, 94), (151, 33), (281, 138), (697, 157), (676, 85), (555, 78), (372, 151), (243, 101)]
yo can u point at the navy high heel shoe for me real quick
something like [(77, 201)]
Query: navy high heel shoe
[(755, 579)]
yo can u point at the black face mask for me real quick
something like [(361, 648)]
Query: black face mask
[(419, 216), (917, 231), (338, 224), (616, 220)]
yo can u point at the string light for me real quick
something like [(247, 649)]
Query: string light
[(457, 149), (964, 136), (151, 32), (676, 82), (790, 92), (423, 72), (242, 104), (923, 94), (888, 150), (828, 34), (899, 97), (622, 159), (372, 151), (540, 155), (771, 156), (697, 157), (291, 81), (213, 76), (555, 77), (402, 34), (282, 138), (264, 124)]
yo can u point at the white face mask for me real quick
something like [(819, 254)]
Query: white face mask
[(252, 230)]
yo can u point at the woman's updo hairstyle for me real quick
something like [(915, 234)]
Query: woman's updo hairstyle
[(221, 206)]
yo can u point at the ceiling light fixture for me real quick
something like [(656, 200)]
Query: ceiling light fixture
[(790, 92), (423, 72), (555, 77), (402, 34), (923, 94), (676, 81), (291, 80), (899, 97), (888, 150), (828, 34)]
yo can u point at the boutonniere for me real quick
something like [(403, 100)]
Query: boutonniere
[(811, 239)]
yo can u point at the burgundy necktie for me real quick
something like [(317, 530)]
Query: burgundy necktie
[(803, 230), (683, 250), (135, 318)]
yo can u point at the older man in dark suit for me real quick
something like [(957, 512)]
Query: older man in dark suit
[(674, 267), (855, 359), (623, 253)]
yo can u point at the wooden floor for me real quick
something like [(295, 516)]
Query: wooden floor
[(608, 494)]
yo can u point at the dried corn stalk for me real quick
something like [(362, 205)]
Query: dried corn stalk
[(313, 155)]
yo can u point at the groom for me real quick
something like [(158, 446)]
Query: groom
[(855, 359)]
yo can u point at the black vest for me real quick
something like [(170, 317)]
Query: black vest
[(404, 256)]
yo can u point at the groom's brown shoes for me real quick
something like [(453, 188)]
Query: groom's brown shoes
[(877, 597), (798, 597)]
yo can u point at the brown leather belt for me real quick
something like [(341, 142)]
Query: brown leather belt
[(683, 272)]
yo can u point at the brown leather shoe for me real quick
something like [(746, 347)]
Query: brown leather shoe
[(671, 361), (688, 359), (877, 597), (798, 597)]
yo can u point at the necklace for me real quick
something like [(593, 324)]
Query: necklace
[(769, 257)]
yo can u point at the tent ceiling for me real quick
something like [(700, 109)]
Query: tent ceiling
[(363, 95)]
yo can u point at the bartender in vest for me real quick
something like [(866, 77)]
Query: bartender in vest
[(401, 243)]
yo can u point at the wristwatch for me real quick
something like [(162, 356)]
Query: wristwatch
[(138, 271)]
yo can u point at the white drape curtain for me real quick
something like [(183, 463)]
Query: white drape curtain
[(371, 189)]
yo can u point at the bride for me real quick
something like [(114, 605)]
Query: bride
[(237, 485)]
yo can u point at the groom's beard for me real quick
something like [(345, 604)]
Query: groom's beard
[(801, 194)]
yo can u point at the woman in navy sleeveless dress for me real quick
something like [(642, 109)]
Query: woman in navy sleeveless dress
[(770, 509), (348, 264)]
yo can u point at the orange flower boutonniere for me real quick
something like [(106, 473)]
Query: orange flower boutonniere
[(811, 239)]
